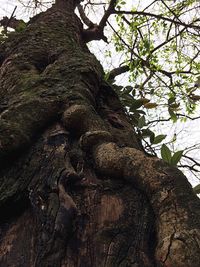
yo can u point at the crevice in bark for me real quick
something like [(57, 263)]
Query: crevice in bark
[(43, 62), (169, 247)]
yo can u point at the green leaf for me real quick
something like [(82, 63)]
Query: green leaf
[(174, 106), (140, 111), (148, 133), (150, 105), (172, 115), (195, 97), (158, 139), (166, 153), (176, 157), (141, 122), (152, 136), (171, 100), (21, 26), (146, 44), (135, 104), (197, 189), (145, 100), (128, 89)]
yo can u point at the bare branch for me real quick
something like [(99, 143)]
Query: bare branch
[(188, 117), (158, 120), (191, 168), (108, 12), (167, 41), (170, 10), (192, 159), (10, 22), (95, 32), (84, 18), (117, 71)]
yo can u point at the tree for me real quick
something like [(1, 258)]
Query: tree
[(77, 188)]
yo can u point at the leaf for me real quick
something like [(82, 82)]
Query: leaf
[(141, 122), (195, 97), (197, 83), (150, 84), (171, 100), (145, 100), (127, 89), (152, 136), (150, 105), (128, 97), (141, 111), (166, 153), (176, 157), (174, 106), (146, 44), (158, 139), (196, 189), (148, 133), (135, 104), (21, 26), (172, 115), (133, 92)]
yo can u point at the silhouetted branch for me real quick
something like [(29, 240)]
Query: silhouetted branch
[(84, 18), (10, 22), (108, 12), (117, 71), (95, 32)]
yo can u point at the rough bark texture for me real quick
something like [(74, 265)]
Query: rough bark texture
[(76, 187)]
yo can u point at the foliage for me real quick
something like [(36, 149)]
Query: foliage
[(163, 55), (159, 40), (197, 189), (167, 156)]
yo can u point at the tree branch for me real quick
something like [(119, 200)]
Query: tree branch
[(167, 41), (95, 32), (158, 16), (108, 12), (10, 22), (143, 61), (117, 71), (84, 18), (191, 168), (170, 10)]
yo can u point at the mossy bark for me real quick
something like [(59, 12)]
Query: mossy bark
[(76, 187)]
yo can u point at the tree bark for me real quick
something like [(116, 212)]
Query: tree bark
[(77, 189)]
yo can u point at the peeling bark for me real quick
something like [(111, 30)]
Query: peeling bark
[(76, 186)]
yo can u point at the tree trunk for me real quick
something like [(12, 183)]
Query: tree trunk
[(77, 190)]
